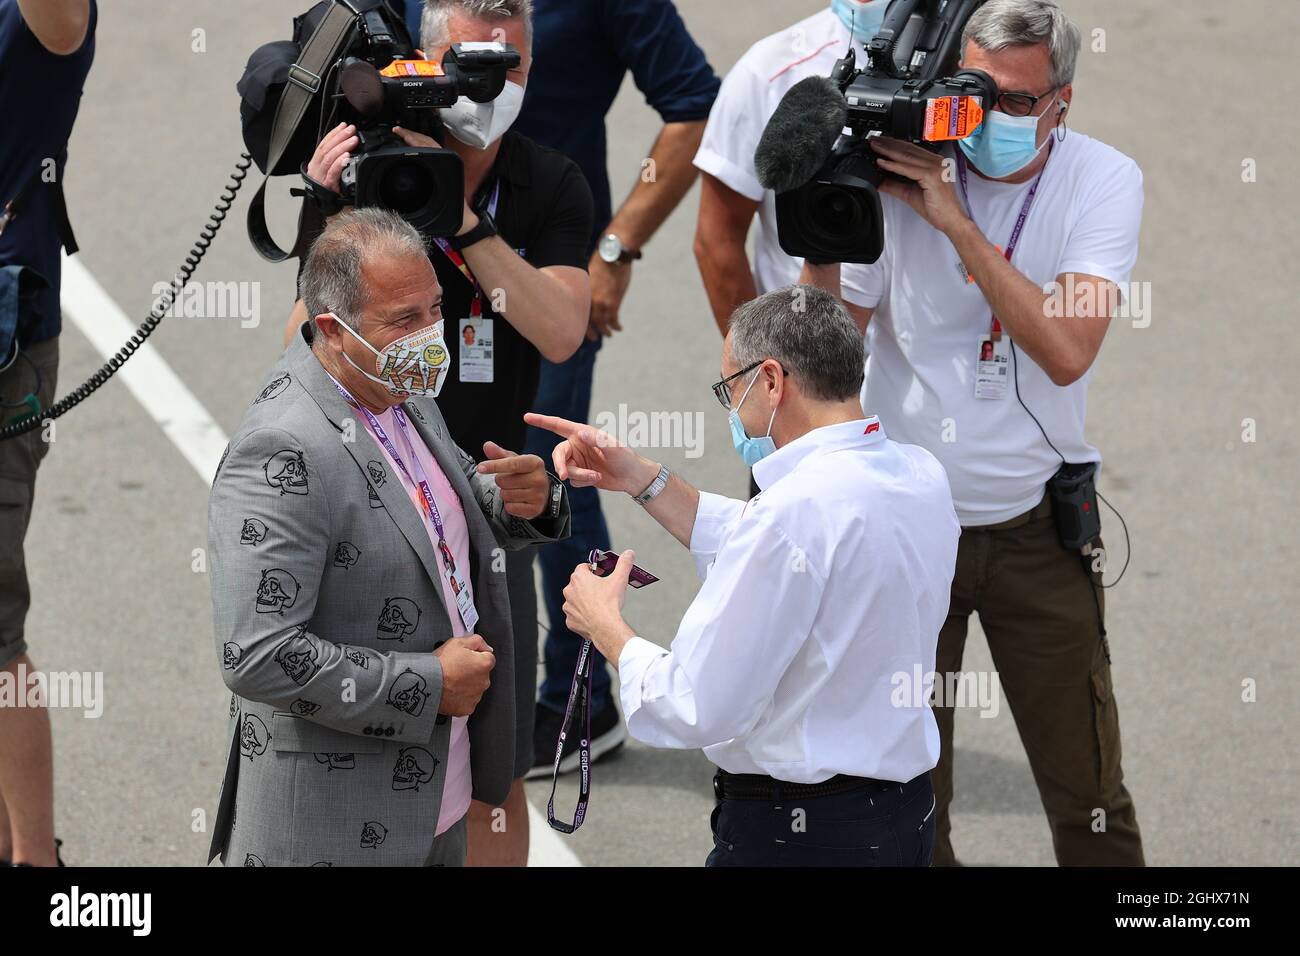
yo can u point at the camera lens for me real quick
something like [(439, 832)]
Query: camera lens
[(406, 188), (426, 187), (836, 217), (834, 213)]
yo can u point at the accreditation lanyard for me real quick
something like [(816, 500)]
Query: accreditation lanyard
[(476, 307), (996, 327), (464, 600), (579, 703)]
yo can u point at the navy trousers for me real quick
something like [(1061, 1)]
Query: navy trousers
[(878, 825)]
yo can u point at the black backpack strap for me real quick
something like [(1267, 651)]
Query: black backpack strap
[(14, 206), (305, 79), (62, 221)]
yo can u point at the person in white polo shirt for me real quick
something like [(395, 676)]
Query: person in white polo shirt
[(1004, 263), (820, 596), (730, 194)]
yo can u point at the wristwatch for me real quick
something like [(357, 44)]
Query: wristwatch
[(655, 487), (612, 250), (557, 497), (485, 229)]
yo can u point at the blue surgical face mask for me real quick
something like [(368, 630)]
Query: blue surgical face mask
[(864, 19), (751, 450), (1003, 145)]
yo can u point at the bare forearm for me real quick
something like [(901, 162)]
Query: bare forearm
[(828, 278), (825, 277), (664, 181), (728, 279), (675, 507), (60, 25), (544, 310), (1021, 307)]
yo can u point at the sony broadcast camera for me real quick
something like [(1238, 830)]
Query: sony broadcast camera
[(814, 152), (352, 61)]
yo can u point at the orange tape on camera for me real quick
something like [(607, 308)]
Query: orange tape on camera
[(951, 117), (412, 68)]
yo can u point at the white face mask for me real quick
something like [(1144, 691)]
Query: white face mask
[(413, 366), (482, 124)]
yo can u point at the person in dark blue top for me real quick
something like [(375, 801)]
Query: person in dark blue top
[(582, 50), (46, 48)]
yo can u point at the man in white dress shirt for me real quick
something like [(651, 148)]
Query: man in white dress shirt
[(819, 596)]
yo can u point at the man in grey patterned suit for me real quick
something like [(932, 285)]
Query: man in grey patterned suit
[(358, 583)]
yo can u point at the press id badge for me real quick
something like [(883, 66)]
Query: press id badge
[(464, 599), (464, 602), (992, 367), (476, 350)]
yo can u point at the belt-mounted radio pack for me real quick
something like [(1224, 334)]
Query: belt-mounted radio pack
[(1073, 490)]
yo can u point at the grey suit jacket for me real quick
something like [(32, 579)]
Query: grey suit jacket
[(328, 606)]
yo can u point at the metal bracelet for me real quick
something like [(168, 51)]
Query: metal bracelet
[(655, 487)]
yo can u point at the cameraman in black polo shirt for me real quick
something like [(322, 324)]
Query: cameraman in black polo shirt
[(517, 274)]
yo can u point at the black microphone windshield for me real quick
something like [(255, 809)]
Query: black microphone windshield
[(800, 134)]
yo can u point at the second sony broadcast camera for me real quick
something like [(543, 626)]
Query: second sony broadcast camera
[(814, 152), (352, 61)]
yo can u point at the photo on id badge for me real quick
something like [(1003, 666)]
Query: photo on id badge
[(991, 373), (476, 350)]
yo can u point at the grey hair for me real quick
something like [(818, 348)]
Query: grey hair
[(332, 279), (433, 22), (809, 333), (1003, 23)]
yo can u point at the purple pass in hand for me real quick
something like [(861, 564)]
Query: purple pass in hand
[(604, 562)]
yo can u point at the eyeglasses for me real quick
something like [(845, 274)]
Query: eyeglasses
[(722, 390), (1021, 104)]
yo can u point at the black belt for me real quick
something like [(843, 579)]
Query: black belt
[(757, 786)]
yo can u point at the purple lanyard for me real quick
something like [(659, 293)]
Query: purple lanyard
[(422, 482), (579, 702), (1020, 220)]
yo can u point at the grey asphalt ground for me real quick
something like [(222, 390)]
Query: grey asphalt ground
[(1189, 89)]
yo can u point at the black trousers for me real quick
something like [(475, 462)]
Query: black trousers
[(878, 825)]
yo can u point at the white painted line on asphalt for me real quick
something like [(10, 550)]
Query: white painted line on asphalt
[(148, 377), (545, 846), (200, 439)]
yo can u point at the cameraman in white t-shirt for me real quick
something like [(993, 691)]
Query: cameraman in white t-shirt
[(1003, 420)]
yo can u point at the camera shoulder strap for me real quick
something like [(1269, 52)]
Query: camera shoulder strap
[(305, 78)]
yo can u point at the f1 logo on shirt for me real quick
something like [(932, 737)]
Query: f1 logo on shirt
[(872, 427)]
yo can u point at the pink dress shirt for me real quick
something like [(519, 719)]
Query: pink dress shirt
[(456, 787)]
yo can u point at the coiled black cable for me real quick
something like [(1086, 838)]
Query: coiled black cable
[(161, 306)]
